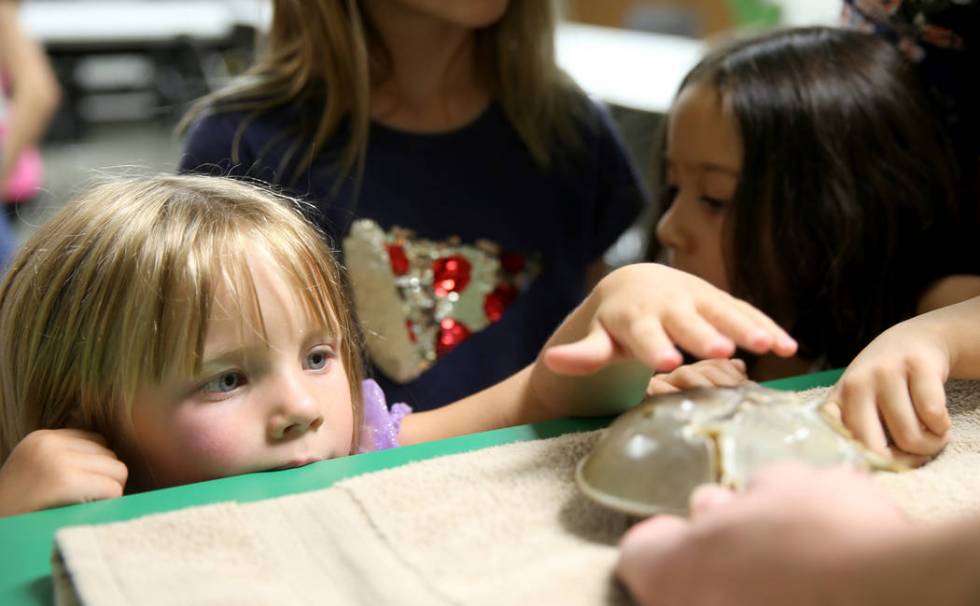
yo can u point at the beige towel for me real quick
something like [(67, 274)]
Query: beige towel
[(503, 525)]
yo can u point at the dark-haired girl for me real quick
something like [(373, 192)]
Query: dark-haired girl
[(803, 171)]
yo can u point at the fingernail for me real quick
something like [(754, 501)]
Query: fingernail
[(787, 342), (721, 345), (759, 337)]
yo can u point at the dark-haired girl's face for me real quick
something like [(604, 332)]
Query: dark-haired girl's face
[(703, 160)]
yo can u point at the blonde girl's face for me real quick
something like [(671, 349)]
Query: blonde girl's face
[(258, 404), (704, 161)]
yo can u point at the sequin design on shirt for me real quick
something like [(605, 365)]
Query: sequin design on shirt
[(418, 299)]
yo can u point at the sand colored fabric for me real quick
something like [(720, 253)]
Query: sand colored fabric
[(503, 525)]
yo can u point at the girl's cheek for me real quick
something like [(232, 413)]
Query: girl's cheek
[(214, 442)]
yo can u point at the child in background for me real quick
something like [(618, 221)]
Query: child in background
[(451, 120), (805, 173), (163, 331), (832, 534), (25, 71)]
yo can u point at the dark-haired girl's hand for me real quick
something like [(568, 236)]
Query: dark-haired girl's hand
[(52, 467), (895, 386), (648, 311), (600, 360), (636, 322)]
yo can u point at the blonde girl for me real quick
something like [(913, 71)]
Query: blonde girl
[(161, 331)]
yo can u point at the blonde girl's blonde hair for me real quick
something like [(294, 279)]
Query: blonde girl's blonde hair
[(326, 54), (115, 292)]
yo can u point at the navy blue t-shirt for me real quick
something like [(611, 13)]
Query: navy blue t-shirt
[(477, 182)]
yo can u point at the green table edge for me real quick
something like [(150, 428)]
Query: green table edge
[(25, 540)]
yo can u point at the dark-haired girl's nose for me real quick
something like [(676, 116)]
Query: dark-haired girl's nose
[(668, 229)]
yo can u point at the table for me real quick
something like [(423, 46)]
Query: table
[(26, 540)]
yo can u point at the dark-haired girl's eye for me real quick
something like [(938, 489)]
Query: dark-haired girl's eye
[(714, 203), (667, 194)]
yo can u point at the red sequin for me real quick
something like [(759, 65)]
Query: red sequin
[(398, 259), (450, 274), (451, 334), (498, 301), (411, 330), (512, 262)]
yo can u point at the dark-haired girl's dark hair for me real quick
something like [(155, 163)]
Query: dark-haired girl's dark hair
[(847, 191)]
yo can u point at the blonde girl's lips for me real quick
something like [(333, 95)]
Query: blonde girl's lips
[(298, 463)]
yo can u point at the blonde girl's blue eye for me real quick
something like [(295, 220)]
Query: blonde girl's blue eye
[(225, 383), (318, 359)]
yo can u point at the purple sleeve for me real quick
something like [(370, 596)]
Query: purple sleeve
[(379, 425)]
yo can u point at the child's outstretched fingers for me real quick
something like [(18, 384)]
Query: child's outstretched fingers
[(649, 308), (582, 357), (766, 335), (695, 334), (747, 326)]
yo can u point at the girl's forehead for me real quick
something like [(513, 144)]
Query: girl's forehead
[(702, 134), (263, 288)]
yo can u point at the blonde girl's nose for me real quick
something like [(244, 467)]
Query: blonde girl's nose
[(295, 410)]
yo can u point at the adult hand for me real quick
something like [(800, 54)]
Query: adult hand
[(796, 536), (52, 467)]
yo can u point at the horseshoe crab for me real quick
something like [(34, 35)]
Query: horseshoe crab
[(650, 459)]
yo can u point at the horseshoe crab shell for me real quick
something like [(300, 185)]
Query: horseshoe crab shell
[(650, 459)]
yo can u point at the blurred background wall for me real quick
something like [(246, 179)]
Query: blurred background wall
[(129, 69)]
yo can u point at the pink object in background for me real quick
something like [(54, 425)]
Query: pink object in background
[(25, 179)]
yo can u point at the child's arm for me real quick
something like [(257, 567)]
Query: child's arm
[(948, 291), (899, 378), (599, 360), (52, 467)]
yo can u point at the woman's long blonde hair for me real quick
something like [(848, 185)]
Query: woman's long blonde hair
[(115, 291), (327, 53)]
